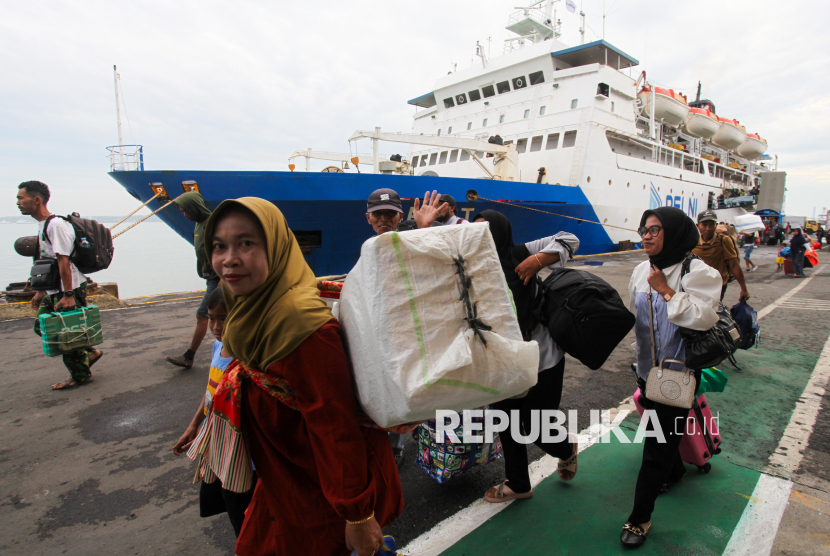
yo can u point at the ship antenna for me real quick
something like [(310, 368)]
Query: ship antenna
[(698, 92), (118, 115)]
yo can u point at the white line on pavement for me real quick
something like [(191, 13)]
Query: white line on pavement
[(755, 533), (772, 306)]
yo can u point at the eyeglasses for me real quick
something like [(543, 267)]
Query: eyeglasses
[(652, 230)]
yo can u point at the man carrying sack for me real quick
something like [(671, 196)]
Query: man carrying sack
[(718, 251), (56, 239)]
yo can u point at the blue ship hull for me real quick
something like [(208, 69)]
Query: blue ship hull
[(330, 208)]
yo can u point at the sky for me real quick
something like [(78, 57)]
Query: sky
[(213, 85)]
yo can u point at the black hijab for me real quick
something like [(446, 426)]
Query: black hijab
[(680, 235), (502, 233)]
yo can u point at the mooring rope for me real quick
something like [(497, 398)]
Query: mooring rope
[(134, 224), (135, 211)]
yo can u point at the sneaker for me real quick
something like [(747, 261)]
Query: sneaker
[(755, 267)]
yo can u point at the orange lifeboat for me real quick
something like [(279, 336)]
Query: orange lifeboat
[(702, 123), (753, 147), (730, 135), (669, 107)]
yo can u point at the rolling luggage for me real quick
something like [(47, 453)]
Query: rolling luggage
[(701, 438), (789, 269)]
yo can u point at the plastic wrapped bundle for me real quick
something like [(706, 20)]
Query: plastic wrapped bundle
[(430, 324)]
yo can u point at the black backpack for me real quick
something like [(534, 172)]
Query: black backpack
[(583, 314), (93, 250)]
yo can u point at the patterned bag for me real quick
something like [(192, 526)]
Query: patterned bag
[(445, 460)]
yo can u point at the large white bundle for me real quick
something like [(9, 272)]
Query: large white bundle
[(748, 223), (411, 346)]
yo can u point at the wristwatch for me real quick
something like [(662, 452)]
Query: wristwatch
[(68, 293), (667, 297)]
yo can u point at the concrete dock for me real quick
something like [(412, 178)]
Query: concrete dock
[(91, 471)]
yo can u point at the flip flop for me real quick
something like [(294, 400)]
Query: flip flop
[(66, 385), (497, 494), (566, 469)]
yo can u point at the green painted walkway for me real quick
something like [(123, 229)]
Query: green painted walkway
[(698, 516)]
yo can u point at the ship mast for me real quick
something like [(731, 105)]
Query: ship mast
[(116, 77)]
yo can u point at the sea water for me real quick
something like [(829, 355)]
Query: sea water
[(149, 259)]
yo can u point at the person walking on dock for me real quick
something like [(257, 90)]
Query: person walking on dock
[(193, 207), (718, 251), (57, 241)]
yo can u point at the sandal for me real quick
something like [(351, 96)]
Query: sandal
[(566, 469), (93, 360), (66, 385), (497, 494), (634, 535)]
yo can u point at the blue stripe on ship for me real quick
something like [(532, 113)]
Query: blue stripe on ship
[(335, 205)]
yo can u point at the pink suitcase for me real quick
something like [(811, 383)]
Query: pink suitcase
[(701, 439)]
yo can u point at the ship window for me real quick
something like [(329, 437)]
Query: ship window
[(474, 95), (449, 130), (432, 158), (711, 169), (521, 145), (603, 90), (527, 113), (484, 123), (574, 103), (439, 133), (488, 91), (553, 141), (612, 106), (448, 103), (536, 143), (537, 77), (453, 155), (542, 110), (569, 140), (461, 99), (503, 87), (469, 126), (443, 159), (501, 119), (415, 162), (464, 156), (519, 82), (308, 240), (424, 160)]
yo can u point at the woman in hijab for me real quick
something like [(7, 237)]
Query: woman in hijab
[(797, 249), (520, 263), (326, 485), (690, 301)]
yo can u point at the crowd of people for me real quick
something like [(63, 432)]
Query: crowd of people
[(278, 426)]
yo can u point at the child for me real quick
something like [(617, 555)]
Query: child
[(213, 499), (780, 259)]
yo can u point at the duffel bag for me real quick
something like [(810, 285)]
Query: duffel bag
[(583, 313)]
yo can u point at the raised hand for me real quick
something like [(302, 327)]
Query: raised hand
[(426, 214)]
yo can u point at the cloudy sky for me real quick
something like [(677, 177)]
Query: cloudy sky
[(238, 85)]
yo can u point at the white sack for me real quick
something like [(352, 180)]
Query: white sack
[(748, 223), (412, 351)]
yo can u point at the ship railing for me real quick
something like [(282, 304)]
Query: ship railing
[(126, 158)]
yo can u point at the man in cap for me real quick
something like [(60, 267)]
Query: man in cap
[(448, 214), (718, 251), (384, 212), (194, 209)]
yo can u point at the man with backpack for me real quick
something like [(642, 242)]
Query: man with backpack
[(719, 252), (56, 238)]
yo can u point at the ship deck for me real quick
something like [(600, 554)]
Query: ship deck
[(91, 470)]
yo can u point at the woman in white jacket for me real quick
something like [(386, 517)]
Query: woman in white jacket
[(690, 301)]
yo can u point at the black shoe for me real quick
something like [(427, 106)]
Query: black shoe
[(633, 535), (667, 486)]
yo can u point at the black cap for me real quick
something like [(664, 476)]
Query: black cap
[(384, 199), (707, 215), (449, 199)]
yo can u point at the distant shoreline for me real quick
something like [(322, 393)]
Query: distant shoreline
[(102, 219)]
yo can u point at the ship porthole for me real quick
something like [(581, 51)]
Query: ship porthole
[(644, 186), (628, 184), (589, 179), (604, 221), (609, 182), (626, 219)]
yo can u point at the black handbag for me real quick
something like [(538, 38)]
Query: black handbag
[(45, 275), (708, 348)]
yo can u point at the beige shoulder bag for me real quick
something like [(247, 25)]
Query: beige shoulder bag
[(667, 386)]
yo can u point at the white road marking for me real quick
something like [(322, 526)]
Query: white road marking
[(774, 305), (755, 533), (446, 533)]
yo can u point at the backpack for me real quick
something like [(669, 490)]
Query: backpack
[(93, 249), (583, 313), (747, 320)]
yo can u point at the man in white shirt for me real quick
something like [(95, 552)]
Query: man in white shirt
[(57, 243)]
